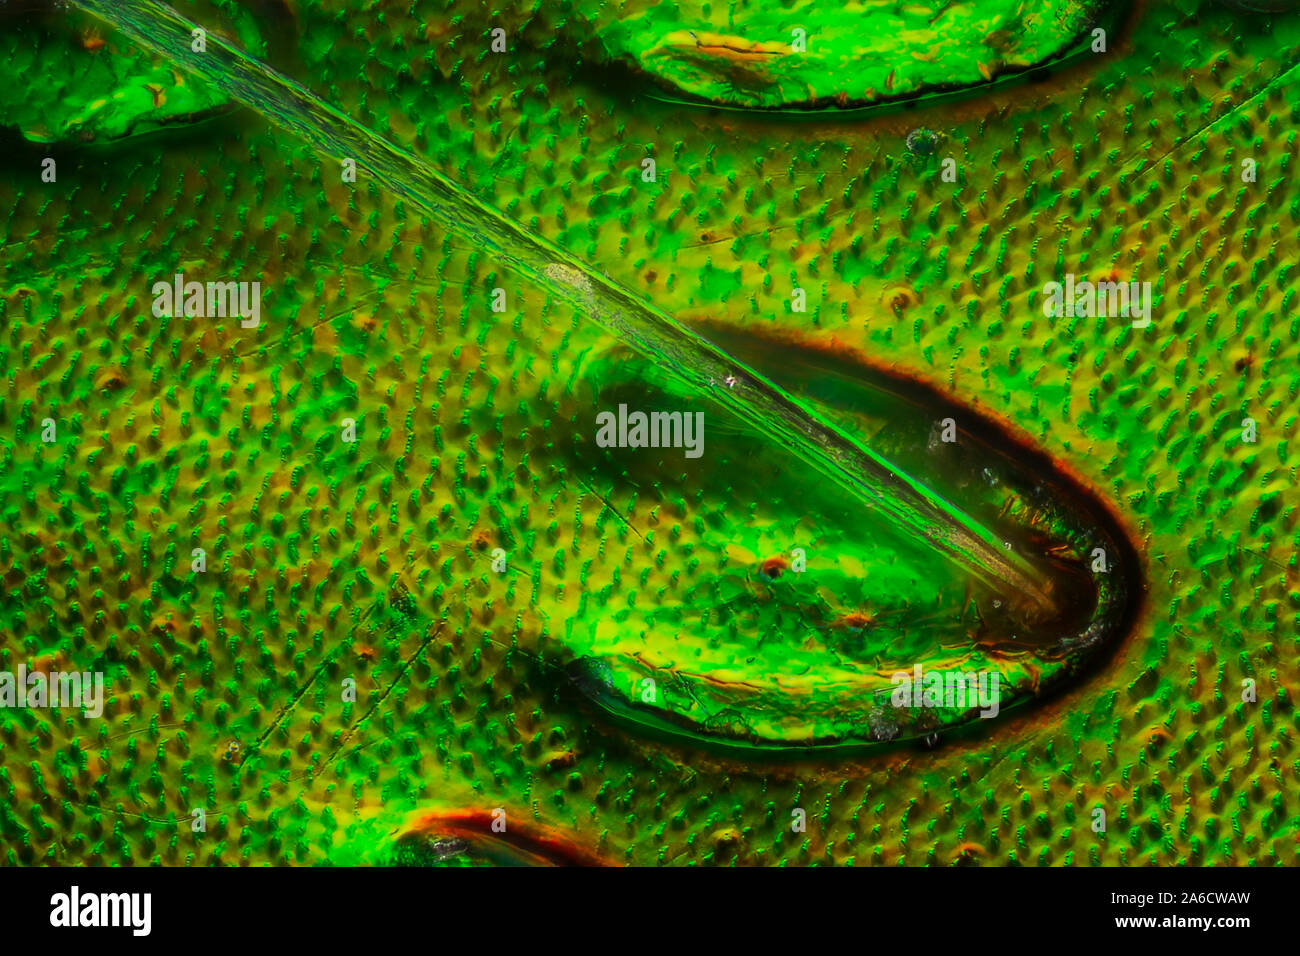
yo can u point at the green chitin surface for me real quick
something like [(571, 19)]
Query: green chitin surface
[(578, 433)]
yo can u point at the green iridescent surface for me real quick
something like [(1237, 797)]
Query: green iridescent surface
[(373, 562)]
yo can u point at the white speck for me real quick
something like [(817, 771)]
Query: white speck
[(569, 276)]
